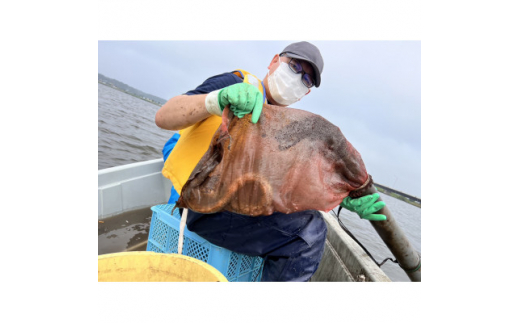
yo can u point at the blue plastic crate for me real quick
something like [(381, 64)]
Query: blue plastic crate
[(164, 238)]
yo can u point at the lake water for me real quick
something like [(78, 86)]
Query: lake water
[(126, 129), (127, 134)]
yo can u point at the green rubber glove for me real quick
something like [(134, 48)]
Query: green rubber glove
[(243, 98), (365, 207)]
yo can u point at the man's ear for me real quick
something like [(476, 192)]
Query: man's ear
[(274, 61)]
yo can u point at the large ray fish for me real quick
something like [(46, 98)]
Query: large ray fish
[(291, 160)]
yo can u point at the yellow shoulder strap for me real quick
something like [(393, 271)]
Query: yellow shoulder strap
[(251, 79)]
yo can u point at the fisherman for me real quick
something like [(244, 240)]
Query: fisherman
[(291, 244)]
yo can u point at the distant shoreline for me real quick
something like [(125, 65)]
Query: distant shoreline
[(129, 93)]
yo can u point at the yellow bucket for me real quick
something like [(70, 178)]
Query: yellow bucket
[(147, 266)]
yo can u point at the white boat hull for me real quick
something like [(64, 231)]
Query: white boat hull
[(129, 187)]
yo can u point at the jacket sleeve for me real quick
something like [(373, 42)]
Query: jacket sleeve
[(216, 82)]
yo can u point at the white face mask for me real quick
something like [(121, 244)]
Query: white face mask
[(286, 87)]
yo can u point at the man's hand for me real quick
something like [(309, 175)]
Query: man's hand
[(243, 98), (365, 207)]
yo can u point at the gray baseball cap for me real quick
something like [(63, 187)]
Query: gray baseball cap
[(308, 52)]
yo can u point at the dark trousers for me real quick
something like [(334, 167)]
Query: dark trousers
[(291, 244)]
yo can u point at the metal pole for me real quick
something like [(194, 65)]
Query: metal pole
[(397, 242)]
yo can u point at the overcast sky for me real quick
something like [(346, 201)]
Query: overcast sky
[(371, 90)]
